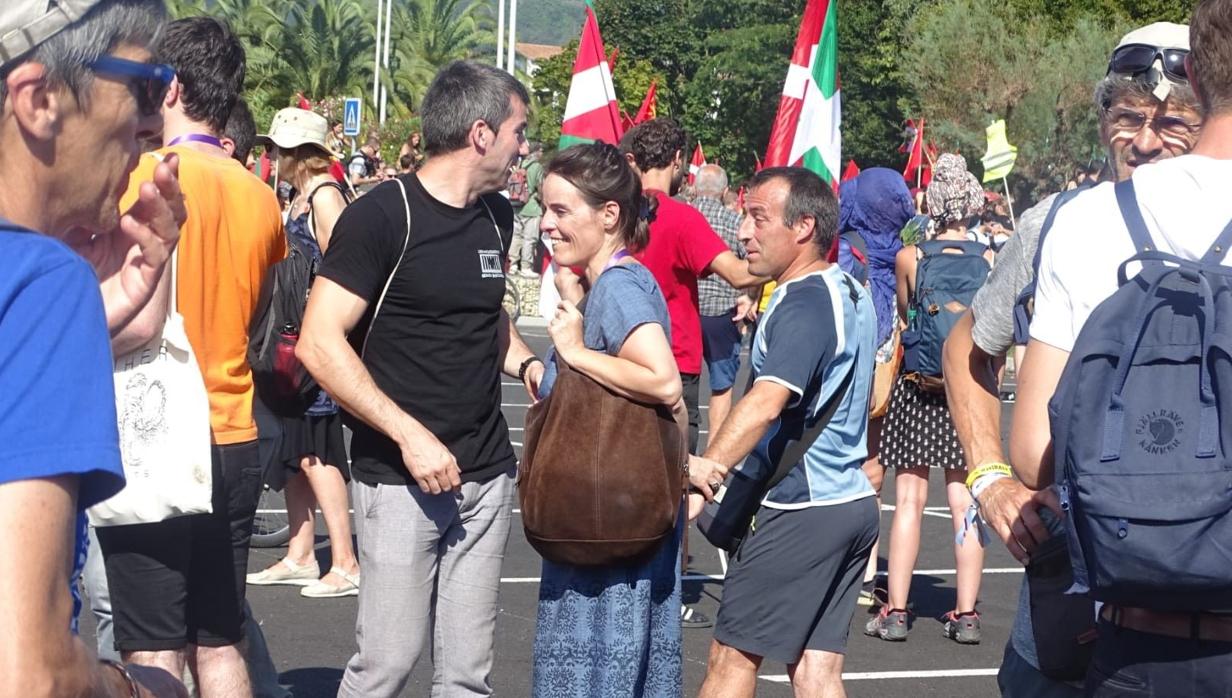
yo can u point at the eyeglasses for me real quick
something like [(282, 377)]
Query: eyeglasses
[(150, 81), (1138, 58), (1131, 120)]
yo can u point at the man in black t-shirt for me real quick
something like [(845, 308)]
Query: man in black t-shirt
[(405, 330)]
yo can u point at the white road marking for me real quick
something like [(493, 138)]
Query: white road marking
[(884, 675), (719, 577)]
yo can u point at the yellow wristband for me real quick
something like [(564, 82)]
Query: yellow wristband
[(987, 468)]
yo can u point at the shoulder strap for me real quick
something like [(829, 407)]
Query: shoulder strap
[(346, 199), (1219, 248), (500, 239), (1127, 200), (796, 450), (385, 290), (857, 244), (1057, 203)]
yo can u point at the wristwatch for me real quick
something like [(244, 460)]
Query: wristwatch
[(526, 365)]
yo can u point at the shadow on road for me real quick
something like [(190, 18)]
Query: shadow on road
[(312, 682)]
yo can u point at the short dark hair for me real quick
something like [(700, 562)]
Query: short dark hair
[(462, 93), (242, 130), (654, 143), (1209, 30), (406, 162), (600, 173), (807, 195), (210, 64)]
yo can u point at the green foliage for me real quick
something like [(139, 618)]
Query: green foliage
[(551, 22)]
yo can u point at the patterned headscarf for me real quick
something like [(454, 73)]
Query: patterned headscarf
[(954, 194)]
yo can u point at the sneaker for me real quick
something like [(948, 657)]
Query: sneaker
[(285, 572), (692, 619), (321, 590), (890, 624), (868, 594), (963, 628)]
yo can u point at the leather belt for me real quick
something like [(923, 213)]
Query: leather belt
[(1188, 626)]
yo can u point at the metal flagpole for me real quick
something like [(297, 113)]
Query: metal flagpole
[(376, 60), (389, 9), (500, 34), (513, 29), (1009, 202)]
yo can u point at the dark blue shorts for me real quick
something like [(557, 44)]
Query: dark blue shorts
[(721, 350)]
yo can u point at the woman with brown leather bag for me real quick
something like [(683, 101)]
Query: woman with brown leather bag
[(609, 599)]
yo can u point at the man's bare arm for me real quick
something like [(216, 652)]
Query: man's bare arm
[(514, 351), (734, 270), (748, 421), (971, 389), (1031, 438), (332, 312)]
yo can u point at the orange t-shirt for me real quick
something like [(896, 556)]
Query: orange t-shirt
[(232, 236)]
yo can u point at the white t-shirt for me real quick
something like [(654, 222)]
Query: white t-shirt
[(1185, 201)]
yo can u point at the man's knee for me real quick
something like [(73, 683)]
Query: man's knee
[(817, 668), (725, 658)]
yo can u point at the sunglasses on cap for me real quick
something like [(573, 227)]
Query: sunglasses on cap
[(1133, 59), (150, 81)]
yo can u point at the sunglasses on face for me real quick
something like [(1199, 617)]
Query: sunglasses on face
[(149, 81), (1138, 58), (1131, 120)]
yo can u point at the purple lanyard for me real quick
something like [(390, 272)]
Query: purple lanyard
[(619, 255), (195, 138)]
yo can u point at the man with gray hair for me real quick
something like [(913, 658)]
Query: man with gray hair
[(1146, 114), (432, 464), (717, 299), (77, 85)]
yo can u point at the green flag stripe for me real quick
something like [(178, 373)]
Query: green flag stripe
[(814, 162), (568, 140), (825, 67)]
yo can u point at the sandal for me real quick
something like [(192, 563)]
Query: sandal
[(319, 589), (285, 572)]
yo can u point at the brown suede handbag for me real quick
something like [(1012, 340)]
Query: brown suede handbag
[(601, 477)]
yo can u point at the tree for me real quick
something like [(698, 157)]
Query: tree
[(429, 34)]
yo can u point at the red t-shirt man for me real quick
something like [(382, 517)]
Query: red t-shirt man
[(682, 246)]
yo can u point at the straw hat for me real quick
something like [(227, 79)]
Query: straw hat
[(293, 127)]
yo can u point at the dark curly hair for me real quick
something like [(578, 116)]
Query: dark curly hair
[(600, 173), (654, 144)]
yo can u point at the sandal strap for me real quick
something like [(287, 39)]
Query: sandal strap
[(350, 578)]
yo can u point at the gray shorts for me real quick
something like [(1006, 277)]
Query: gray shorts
[(793, 584)]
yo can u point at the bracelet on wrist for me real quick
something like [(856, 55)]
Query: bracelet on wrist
[(984, 481), (526, 366), (133, 690), (986, 468)]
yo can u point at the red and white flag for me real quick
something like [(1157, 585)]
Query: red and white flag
[(591, 112), (696, 162)]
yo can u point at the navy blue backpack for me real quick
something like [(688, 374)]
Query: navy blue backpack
[(945, 284), (1140, 427), (852, 256)]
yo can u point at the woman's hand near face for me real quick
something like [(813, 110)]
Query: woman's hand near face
[(565, 329)]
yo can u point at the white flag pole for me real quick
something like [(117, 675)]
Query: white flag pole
[(389, 9), (376, 60), (513, 29), (500, 34)]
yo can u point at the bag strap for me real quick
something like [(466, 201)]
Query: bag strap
[(1127, 200), (346, 199), (796, 450), (1219, 248), (406, 203), (1057, 203)]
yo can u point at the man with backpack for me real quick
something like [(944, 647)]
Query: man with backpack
[(524, 181), (418, 372), (973, 357), (1123, 396)]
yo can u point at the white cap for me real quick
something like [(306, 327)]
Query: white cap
[(25, 24), (1162, 35)]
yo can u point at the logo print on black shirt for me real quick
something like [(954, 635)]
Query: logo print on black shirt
[(490, 264)]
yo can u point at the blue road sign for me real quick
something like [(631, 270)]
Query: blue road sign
[(350, 117)]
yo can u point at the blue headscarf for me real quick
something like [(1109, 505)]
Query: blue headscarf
[(877, 205)]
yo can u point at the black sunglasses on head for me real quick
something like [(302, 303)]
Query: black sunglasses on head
[(150, 81), (1132, 59)]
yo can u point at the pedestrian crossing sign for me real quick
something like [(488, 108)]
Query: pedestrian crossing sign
[(350, 117)]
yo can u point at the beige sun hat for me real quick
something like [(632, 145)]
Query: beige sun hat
[(25, 24), (293, 127)]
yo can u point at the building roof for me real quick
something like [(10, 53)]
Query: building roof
[(538, 52)]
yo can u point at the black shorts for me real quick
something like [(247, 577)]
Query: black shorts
[(181, 581), (793, 584)]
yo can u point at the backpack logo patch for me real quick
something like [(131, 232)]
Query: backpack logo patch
[(1159, 431)]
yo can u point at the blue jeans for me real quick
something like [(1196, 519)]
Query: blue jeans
[(1018, 679)]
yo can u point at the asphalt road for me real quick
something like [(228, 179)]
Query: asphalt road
[(311, 640)]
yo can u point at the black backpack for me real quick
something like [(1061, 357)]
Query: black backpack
[(281, 381)]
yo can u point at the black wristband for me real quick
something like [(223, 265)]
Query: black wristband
[(525, 365)]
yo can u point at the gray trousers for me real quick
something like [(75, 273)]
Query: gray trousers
[(432, 567), (522, 247)]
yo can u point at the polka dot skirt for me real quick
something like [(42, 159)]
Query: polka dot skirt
[(919, 432)]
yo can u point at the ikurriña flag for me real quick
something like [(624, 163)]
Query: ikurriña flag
[(806, 130)]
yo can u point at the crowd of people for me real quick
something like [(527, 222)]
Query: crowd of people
[(878, 320)]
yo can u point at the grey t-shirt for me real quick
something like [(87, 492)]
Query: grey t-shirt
[(993, 332), (993, 306)]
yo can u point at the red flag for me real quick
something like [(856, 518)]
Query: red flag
[(303, 101), (922, 155), (648, 109), (337, 171), (611, 59), (591, 111), (852, 171), (756, 164), (696, 162), (626, 121)]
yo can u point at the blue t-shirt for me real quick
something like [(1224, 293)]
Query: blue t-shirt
[(815, 330), (58, 415), (623, 299)]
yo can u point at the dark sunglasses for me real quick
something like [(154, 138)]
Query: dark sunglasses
[(1138, 58), (150, 81)]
